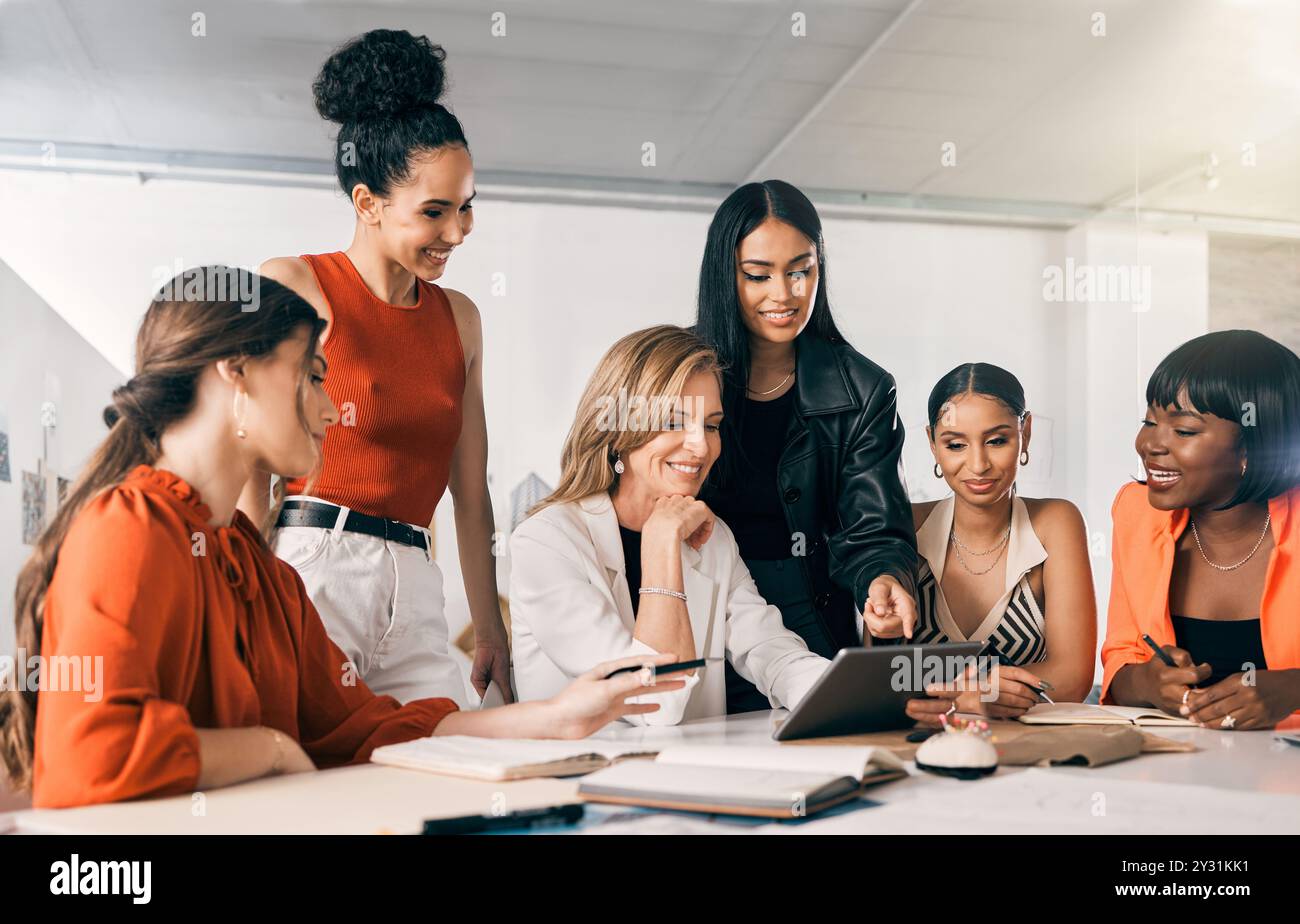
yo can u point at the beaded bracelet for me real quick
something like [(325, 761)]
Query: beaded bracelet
[(663, 590), (278, 737)]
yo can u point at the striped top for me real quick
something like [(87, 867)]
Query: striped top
[(397, 376), (1014, 625)]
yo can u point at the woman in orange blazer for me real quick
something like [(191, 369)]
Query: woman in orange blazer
[(176, 651), (1206, 551)]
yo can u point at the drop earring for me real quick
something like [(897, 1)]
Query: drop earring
[(241, 411), (1024, 457), (937, 473), (619, 467)]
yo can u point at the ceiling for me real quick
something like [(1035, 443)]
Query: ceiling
[(1042, 112)]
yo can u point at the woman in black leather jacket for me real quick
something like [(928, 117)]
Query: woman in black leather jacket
[(809, 477)]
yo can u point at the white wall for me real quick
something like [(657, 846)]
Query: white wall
[(1110, 352), (1255, 284), (917, 298), (41, 359)]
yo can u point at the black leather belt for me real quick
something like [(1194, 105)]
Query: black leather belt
[(307, 513)]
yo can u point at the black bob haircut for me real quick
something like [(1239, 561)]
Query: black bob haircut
[(382, 88), (978, 379), (1249, 379)]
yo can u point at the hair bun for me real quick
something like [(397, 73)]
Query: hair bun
[(379, 75), (127, 406)]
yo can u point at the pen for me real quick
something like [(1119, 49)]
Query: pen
[(1160, 652), (552, 816), (661, 669), (1169, 662), (1042, 692)]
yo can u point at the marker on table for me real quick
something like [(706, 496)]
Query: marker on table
[(552, 816)]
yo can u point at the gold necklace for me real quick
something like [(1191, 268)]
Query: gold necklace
[(770, 390), (1214, 564), (969, 569)]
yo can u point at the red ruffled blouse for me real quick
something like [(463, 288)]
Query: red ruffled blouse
[(158, 623)]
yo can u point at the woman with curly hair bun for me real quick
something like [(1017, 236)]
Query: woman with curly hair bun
[(406, 372)]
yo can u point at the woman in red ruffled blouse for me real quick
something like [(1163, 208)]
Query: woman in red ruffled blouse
[(200, 661)]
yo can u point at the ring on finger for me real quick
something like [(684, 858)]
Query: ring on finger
[(1186, 693), (1228, 721)]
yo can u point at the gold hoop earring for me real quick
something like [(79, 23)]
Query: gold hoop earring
[(1024, 457), (937, 473), (241, 411)]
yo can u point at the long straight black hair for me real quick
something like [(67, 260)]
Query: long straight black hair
[(718, 319)]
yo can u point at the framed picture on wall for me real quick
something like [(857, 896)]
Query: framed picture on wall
[(33, 507)]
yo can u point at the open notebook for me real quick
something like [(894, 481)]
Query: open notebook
[(1083, 714), (775, 782), (504, 758)]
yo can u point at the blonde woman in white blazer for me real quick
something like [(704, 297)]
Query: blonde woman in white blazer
[(644, 438)]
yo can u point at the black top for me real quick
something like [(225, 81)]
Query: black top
[(751, 504), (632, 563), (1224, 644)]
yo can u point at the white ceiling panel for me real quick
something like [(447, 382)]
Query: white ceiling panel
[(1041, 109)]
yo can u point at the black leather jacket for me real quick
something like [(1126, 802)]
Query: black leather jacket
[(840, 481)]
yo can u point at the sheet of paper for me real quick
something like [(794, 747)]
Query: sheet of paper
[(670, 823), (492, 696), (1058, 802)]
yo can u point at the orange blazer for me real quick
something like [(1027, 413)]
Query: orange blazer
[(175, 625), (1142, 556)]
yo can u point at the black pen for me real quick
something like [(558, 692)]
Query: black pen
[(552, 816), (1160, 652), (661, 669)]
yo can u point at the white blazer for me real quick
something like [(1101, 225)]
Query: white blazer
[(570, 609)]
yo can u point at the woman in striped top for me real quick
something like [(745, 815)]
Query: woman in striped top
[(992, 561)]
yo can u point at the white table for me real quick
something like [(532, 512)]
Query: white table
[(1242, 782), (1236, 782)]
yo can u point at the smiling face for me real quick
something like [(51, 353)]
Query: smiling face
[(977, 443), (421, 221), (776, 281), (277, 441), (678, 458), (1192, 459)]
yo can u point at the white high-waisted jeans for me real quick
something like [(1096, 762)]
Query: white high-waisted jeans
[(382, 603)]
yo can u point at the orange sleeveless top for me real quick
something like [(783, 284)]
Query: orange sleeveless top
[(397, 375)]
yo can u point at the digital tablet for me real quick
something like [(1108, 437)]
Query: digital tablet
[(867, 689)]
